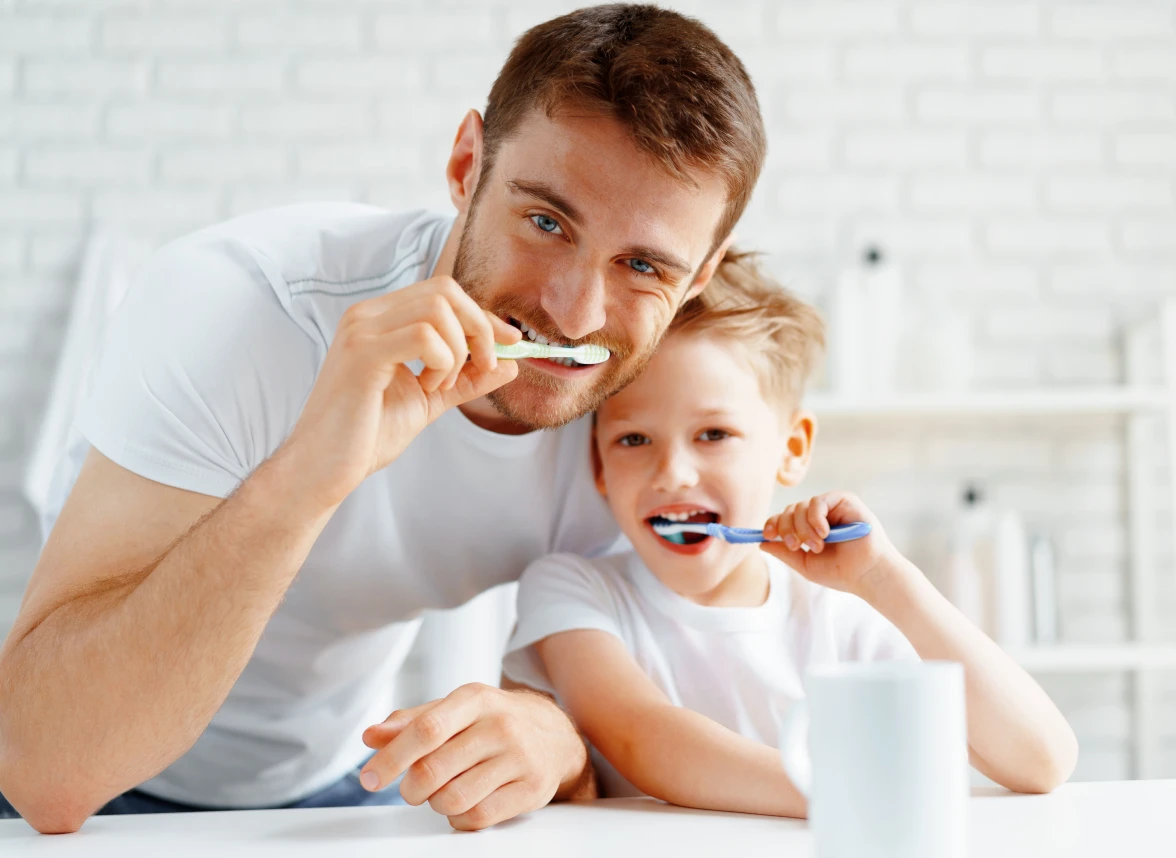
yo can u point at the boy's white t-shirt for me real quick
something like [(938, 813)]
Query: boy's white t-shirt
[(740, 667), (203, 372)]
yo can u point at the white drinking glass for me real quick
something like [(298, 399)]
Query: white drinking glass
[(880, 751)]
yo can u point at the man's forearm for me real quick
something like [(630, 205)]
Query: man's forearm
[(114, 684)]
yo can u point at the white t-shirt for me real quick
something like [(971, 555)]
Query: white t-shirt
[(740, 667), (203, 372)]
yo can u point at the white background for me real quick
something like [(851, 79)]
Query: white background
[(1017, 157)]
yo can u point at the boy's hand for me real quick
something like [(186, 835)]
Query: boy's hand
[(842, 566)]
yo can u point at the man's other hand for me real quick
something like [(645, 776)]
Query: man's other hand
[(480, 756)]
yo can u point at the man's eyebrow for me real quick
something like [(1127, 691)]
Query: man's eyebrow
[(665, 260), (546, 193)]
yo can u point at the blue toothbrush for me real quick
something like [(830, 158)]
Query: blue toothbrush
[(840, 533)]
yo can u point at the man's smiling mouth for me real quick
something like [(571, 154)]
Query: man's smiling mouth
[(536, 337)]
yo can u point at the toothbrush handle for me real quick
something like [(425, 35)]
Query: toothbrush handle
[(520, 350), (840, 533)]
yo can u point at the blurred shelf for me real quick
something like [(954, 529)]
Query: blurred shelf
[(1089, 658), (1027, 403)]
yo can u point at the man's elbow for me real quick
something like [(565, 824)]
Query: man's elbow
[(50, 808)]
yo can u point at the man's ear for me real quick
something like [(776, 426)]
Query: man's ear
[(597, 465), (708, 269), (465, 162), (798, 451)]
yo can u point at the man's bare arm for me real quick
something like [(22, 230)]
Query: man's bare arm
[(148, 601), (582, 788), (118, 662)]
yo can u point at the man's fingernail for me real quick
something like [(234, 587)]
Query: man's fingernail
[(790, 541), (370, 781)]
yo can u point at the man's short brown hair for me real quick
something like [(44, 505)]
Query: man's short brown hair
[(782, 336), (685, 98)]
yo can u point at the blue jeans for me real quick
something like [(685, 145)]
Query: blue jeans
[(345, 792)]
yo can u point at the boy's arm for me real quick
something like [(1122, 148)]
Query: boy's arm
[(1016, 735), (666, 751)]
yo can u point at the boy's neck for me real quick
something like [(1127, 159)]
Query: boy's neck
[(745, 586)]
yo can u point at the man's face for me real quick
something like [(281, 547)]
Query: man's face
[(577, 236)]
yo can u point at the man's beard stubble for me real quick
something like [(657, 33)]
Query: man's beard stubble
[(535, 398)]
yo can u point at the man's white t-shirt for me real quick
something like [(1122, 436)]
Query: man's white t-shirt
[(740, 667), (203, 372)]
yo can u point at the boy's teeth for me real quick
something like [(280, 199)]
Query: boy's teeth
[(680, 516)]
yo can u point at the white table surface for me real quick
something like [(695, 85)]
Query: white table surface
[(1116, 820)]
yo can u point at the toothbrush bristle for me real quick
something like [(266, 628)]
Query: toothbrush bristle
[(591, 353)]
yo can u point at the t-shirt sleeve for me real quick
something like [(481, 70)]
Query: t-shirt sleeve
[(201, 373), (557, 593)]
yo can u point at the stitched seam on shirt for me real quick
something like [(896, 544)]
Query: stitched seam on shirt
[(392, 274)]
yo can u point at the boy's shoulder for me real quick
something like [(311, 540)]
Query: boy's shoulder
[(599, 578)]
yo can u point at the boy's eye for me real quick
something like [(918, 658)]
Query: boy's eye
[(633, 439), (547, 224), (714, 435), (641, 266)]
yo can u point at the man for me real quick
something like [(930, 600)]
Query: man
[(265, 493)]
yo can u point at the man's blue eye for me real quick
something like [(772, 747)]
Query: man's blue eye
[(641, 266), (714, 435), (545, 223)]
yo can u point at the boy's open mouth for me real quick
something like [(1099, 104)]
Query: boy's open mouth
[(536, 337), (697, 516)]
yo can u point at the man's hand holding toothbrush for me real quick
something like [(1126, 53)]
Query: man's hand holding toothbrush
[(367, 405)]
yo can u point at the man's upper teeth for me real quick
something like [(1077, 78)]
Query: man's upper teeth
[(534, 336)]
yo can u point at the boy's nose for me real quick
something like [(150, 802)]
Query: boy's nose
[(576, 303), (676, 470)]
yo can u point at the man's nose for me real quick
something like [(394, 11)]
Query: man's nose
[(676, 469), (576, 303)]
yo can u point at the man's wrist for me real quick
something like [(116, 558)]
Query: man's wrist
[(577, 778)]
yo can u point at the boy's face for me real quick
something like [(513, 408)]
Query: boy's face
[(694, 435)]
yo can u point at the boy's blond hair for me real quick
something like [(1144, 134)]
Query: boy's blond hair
[(784, 337)]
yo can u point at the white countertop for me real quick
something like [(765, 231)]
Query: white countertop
[(1107, 820)]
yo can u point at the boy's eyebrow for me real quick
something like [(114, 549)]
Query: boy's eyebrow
[(716, 412), (549, 195)]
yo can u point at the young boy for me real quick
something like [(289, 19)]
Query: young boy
[(679, 660)]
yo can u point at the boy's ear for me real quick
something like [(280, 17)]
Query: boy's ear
[(708, 269), (799, 449), (465, 162), (597, 465)]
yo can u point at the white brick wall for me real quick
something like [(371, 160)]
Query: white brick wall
[(1017, 157)]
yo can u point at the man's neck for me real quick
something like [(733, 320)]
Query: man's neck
[(485, 416)]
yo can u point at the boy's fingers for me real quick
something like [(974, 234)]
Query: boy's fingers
[(800, 523), (785, 528), (790, 557), (818, 514)]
